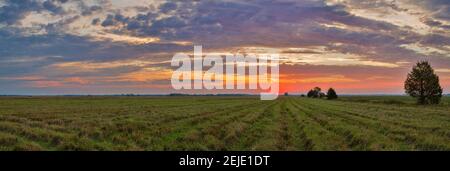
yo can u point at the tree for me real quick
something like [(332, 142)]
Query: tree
[(317, 89), (423, 84), (310, 93), (315, 92), (331, 94)]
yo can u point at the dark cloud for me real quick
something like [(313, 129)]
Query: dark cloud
[(72, 48), (113, 19), (15, 10), (439, 8), (67, 46), (435, 23), (60, 26), (95, 21), (205, 18), (109, 21), (90, 10), (435, 39), (133, 25), (167, 7), (240, 23), (120, 18), (52, 6)]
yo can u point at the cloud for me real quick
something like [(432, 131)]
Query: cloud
[(13, 10), (52, 6), (350, 36), (168, 7), (320, 79), (89, 10), (109, 21)]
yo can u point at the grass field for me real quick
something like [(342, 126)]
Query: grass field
[(222, 123)]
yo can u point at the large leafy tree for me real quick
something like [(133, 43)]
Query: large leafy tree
[(423, 84)]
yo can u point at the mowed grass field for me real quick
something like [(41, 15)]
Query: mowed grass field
[(222, 123)]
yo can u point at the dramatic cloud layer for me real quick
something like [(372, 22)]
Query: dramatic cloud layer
[(118, 46)]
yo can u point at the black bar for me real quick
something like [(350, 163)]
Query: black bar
[(172, 159)]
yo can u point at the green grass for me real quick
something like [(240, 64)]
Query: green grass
[(222, 123)]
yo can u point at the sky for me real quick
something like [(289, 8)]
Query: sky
[(119, 46)]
